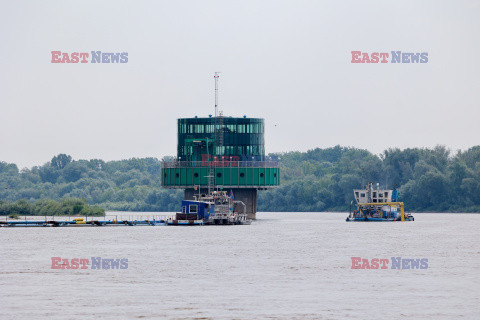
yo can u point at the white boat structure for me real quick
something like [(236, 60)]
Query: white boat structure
[(378, 205)]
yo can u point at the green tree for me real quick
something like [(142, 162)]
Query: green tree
[(59, 162)]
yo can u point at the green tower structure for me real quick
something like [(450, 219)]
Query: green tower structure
[(222, 153)]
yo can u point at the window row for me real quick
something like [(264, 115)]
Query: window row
[(230, 139), (256, 150), (226, 128)]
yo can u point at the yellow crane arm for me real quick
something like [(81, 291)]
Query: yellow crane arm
[(402, 209)]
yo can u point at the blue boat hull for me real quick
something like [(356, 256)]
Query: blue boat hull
[(377, 219)]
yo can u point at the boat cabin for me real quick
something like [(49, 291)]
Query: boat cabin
[(200, 208), (369, 195)]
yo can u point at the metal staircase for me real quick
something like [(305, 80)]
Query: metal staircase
[(218, 150), (211, 179), (219, 134)]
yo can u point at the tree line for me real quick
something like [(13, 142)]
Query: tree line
[(433, 180), (48, 207), (317, 180), (126, 185)]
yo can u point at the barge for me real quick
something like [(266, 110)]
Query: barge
[(217, 207), (378, 205)]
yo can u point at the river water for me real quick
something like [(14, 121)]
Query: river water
[(283, 266)]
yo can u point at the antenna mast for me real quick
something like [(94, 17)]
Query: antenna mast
[(216, 93), (218, 142)]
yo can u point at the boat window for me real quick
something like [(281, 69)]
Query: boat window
[(374, 194), (193, 208), (362, 195), (386, 194)]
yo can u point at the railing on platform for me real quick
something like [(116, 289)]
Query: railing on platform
[(220, 163)]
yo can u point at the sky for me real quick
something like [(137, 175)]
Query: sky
[(286, 61)]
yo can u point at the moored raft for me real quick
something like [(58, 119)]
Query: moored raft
[(80, 222)]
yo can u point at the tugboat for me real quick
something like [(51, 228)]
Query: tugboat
[(378, 205), (216, 207)]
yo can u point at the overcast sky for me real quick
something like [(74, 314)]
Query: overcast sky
[(286, 61)]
